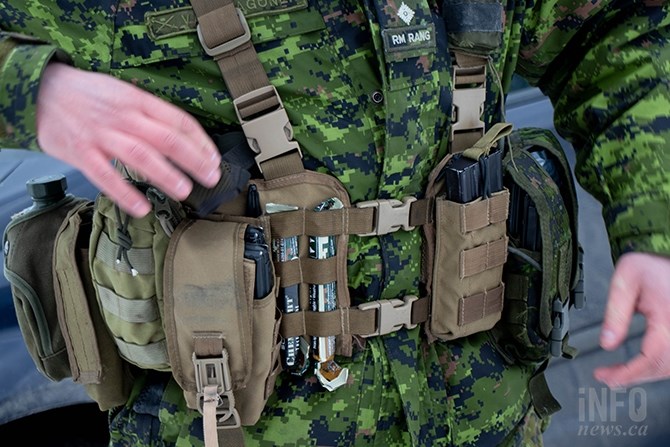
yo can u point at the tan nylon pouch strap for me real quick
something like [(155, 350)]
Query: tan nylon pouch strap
[(352, 321), (483, 257), (282, 166), (478, 215), (211, 346), (307, 270), (240, 67), (342, 221), (475, 307)]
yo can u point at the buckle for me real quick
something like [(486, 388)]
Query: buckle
[(390, 215), (391, 315), (561, 326), (231, 44), (214, 387), (269, 134), (468, 102)]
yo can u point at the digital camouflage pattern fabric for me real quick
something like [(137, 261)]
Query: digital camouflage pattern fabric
[(376, 115)]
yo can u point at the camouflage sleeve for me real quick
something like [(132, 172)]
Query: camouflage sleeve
[(606, 66), (22, 61)]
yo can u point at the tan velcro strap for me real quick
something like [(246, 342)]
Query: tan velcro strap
[(475, 307), (483, 213), (352, 321), (486, 256)]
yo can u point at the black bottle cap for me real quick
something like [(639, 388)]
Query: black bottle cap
[(47, 189)]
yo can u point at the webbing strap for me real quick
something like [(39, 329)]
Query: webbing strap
[(475, 307), (543, 401), (214, 392), (352, 320), (469, 95), (142, 259), (132, 311), (151, 354), (483, 257), (224, 34), (483, 213), (343, 221)]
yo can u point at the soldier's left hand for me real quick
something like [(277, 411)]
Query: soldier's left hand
[(640, 283)]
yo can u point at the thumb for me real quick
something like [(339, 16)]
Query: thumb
[(624, 291)]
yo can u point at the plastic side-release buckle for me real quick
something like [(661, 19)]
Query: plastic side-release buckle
[(214, 390), (561, 326), (390, 215), (269, 133), (231, 44), (469, 95), (391, 315)]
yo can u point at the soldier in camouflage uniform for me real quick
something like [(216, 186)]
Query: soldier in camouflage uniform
[(377, 120)]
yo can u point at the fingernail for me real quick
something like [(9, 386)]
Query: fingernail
[(213, 177), (183, 189), (140, 209), (607, 338)]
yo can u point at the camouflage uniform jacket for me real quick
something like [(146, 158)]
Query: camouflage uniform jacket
[(378, 120)]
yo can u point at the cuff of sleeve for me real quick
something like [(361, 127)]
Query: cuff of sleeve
[(19, 84), (639, 225)]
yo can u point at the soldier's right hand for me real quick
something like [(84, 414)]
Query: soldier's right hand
[(89, 119)]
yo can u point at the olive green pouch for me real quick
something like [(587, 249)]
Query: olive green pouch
[(543, 276), (126, 257), (28, 244)]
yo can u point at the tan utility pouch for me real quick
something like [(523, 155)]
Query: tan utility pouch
[(94, 359), (223, 344), (466, 251)]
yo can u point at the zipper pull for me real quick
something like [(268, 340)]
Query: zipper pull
[(162, 210)]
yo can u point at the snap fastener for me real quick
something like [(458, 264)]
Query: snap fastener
[(377, 97)]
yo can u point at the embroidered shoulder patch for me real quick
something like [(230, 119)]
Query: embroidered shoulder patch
[(173, 22)]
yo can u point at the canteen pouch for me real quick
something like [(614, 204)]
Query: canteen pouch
[(217, 333), (466, 249), (28, 244), (46, 263), (543, 274)]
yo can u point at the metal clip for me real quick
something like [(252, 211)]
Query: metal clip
[(392, 314), (561, 326), (215, 372), (269, 134), (231, 44), (390, 215)]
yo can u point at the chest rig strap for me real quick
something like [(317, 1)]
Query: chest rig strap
[(224, 34)]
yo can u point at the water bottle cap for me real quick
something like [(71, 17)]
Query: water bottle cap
[(47, 188)]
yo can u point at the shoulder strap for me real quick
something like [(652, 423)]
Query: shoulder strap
[(224, 34)]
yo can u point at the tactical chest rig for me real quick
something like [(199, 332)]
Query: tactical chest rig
[(177, 292)]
